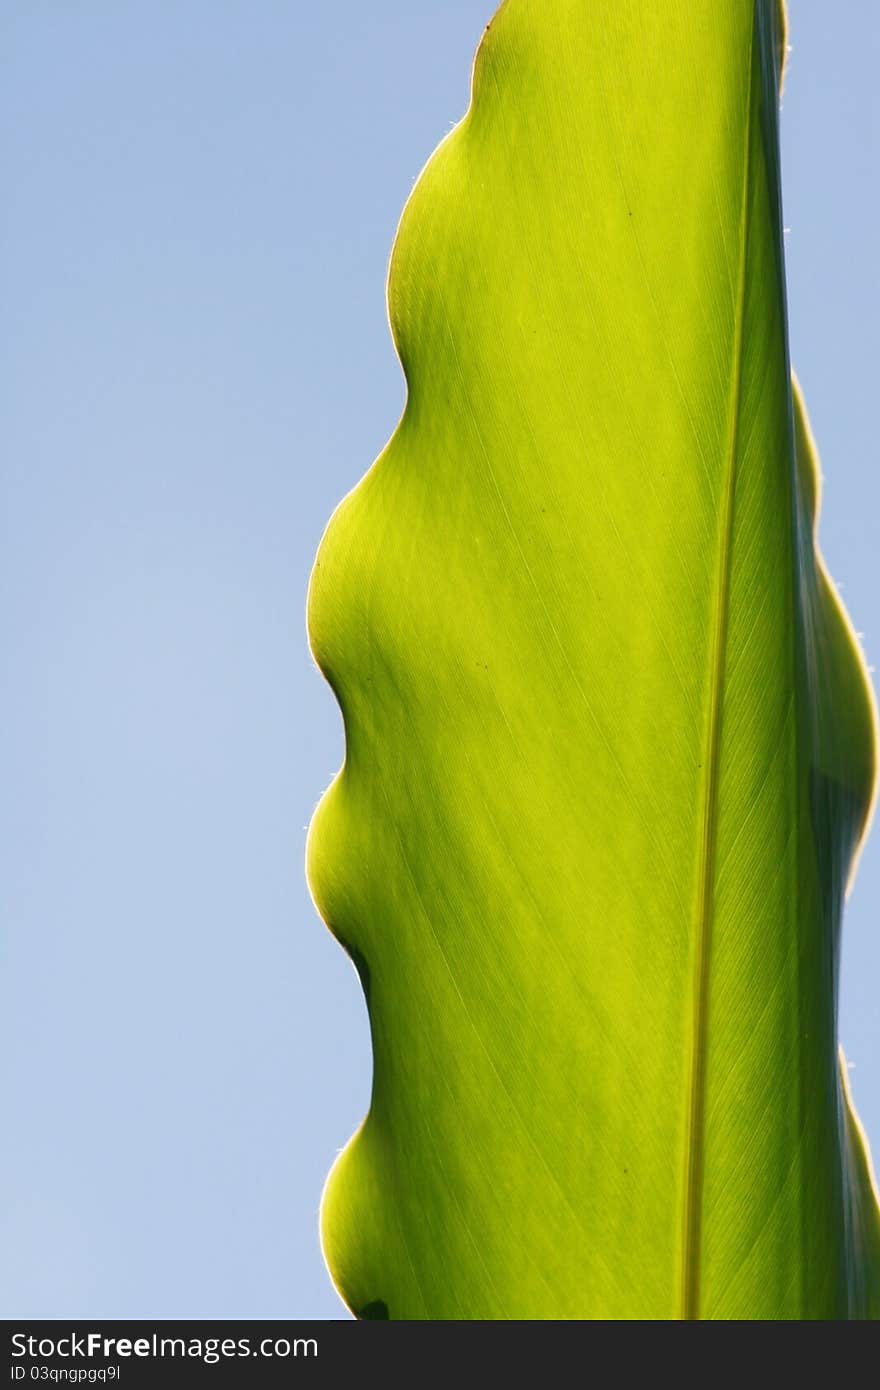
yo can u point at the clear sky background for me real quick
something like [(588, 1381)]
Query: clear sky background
[(198, 204)]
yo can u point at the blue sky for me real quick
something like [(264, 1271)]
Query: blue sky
[(195, 366)]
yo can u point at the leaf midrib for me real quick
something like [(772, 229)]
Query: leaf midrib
[(705, 897)]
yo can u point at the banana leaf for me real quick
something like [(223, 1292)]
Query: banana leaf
[(609, 736)]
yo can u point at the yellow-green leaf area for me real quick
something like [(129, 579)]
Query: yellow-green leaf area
[(609, 738)]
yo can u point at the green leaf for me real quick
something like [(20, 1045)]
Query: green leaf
[(609, 739)]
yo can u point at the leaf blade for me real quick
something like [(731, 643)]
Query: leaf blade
[(563, 917)]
